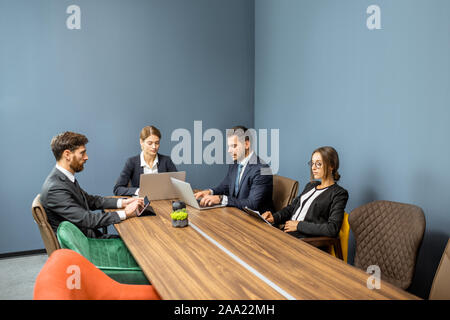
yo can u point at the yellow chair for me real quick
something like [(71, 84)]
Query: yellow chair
[(338, 246), (344, 234)]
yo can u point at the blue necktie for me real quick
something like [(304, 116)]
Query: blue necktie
[(236, 184)]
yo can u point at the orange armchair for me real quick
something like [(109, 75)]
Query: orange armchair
[(67, 275)]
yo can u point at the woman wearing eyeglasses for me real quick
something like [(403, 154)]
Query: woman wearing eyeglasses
[(319, 210), (148, 161)]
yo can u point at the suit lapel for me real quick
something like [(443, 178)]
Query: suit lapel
[(71, 186), (241, 183), (158, 165), (140, 168), (233, 178), (251, 162), (80, 191)]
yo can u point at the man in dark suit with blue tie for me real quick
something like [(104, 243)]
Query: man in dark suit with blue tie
[(249, 180), (64, 200)]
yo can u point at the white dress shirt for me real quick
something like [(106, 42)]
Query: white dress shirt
[(71, 177), (244, 163), (305, 202), (147, 168)]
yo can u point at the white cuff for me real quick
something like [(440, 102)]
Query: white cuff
[(212, 192), (224, 200), (137, 192), (122, 215), (119, 203)]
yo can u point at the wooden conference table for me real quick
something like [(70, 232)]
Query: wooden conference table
[(226, 254)]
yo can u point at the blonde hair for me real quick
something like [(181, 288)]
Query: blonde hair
[(149, 131)]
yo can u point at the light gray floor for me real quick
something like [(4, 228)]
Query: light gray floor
[(17, 276)]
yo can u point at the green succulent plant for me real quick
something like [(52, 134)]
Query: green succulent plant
[(179, 214)]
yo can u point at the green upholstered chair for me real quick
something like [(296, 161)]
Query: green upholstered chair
[(109, 255)]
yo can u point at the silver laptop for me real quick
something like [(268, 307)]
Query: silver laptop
[(157, 186), (187, 195)]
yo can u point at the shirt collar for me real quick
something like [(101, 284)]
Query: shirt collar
[(246, 159), (67, 173), (145, 164)]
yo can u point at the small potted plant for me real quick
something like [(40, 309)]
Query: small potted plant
[(179, 218)]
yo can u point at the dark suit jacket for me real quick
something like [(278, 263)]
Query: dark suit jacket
[(324, 216), (132, 173), (255, 189), (63, 201)]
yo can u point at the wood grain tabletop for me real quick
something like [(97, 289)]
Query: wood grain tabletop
[(226, 254)]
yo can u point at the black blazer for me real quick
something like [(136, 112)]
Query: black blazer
[(255, 189), (324, 216), (64, 200), (132, 173)]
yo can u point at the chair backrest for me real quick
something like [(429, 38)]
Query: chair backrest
[(343, 238), (388, 234), (47, 234), (344, 235), (70, 237), (69, 276), (440, 290), (284, 191)]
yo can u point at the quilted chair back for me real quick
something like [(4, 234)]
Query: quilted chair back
[(388, 234)]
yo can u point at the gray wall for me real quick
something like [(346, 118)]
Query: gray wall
[(319, 75), (380, 97), (133, 63)]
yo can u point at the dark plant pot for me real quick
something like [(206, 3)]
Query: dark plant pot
[(180, 223), (178, 205)]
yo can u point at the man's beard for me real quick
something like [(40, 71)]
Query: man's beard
[(76, 166)]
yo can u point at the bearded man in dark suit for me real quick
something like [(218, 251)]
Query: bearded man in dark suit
[(64, 200)]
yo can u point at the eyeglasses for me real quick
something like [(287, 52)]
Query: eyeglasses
[(317, 164)]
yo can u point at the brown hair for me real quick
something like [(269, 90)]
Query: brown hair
[(149, 131), (239, 131), (330, 158), (67, 141)]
